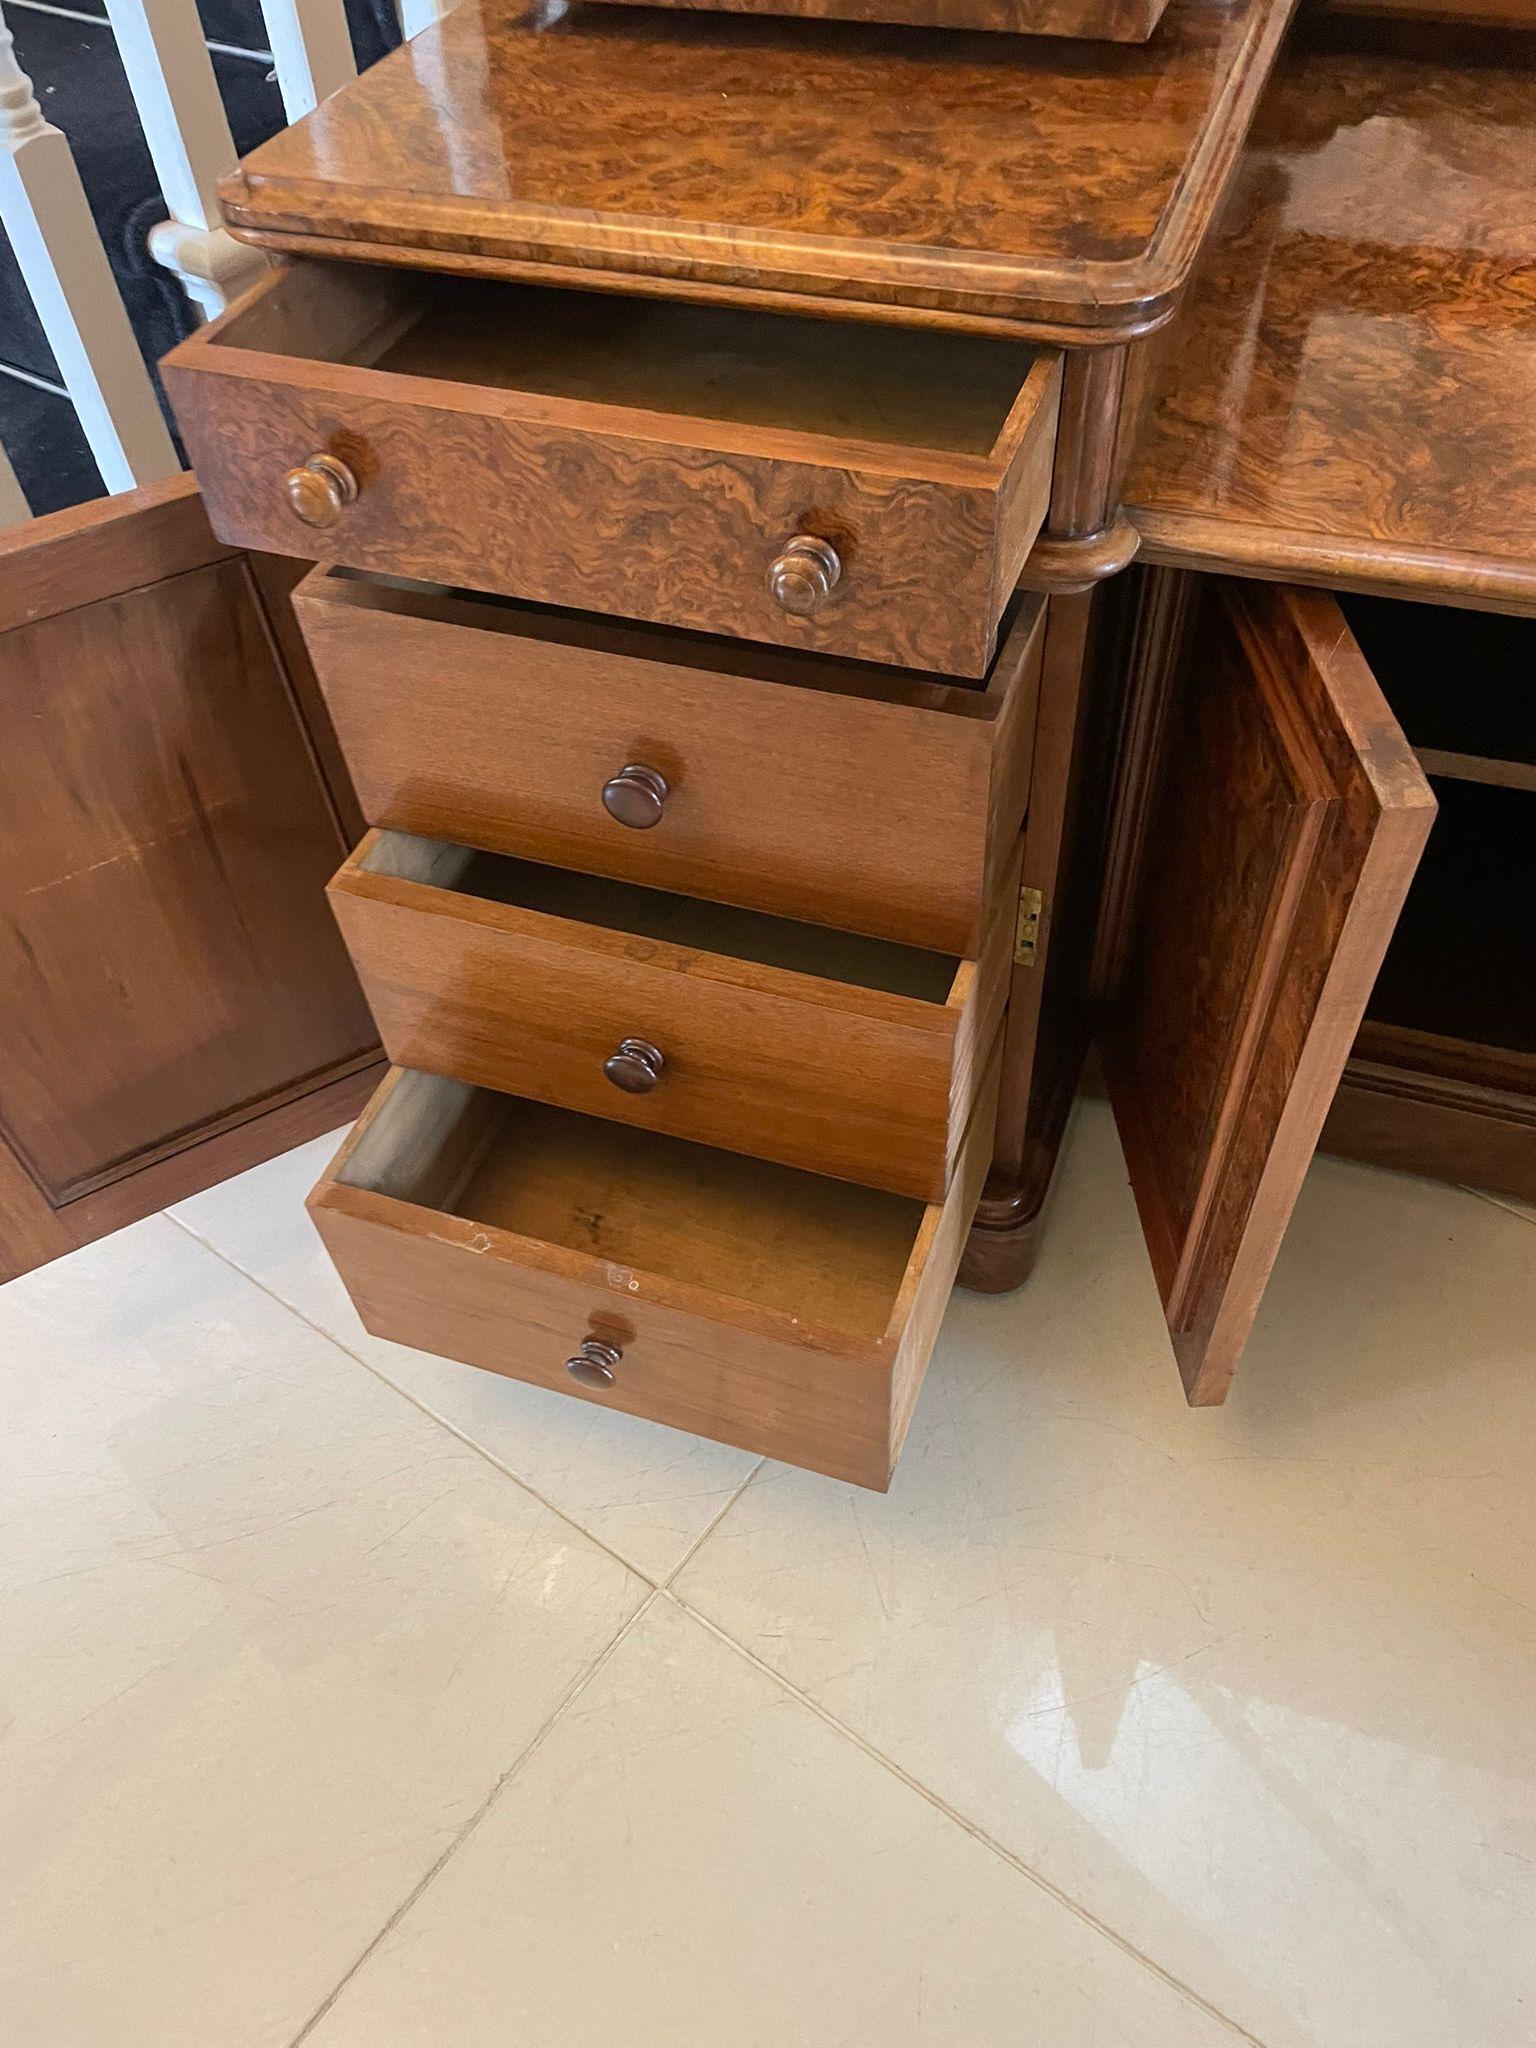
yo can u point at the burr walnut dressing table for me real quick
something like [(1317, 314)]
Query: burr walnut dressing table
[(714, 432)]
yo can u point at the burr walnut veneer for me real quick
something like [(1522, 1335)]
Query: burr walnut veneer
[(1060, 189), (715, 434), (1351, 406), (630, 456)]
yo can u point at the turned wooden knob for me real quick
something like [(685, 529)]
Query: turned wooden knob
[(594, 1364), (636, 1067), (805, 575), (636, 796), (320, 490)]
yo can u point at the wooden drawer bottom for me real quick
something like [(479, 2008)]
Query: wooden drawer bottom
[(766, 1307)]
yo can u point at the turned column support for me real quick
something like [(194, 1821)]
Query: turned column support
[(1086, 541), (1086, 537)]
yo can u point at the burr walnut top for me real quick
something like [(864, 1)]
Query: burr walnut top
[(1348, 394), (1061, 187)]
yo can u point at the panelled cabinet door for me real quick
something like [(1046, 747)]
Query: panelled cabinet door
[(1272, 819), (174, 1000)]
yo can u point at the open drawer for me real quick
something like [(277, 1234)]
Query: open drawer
[(1270, 819), (820, 788), (817, 483), (748, 1302), (847, 1055)]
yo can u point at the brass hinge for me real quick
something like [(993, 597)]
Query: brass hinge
[(1026, 933)]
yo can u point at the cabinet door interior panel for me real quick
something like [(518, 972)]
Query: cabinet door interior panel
[(1282, 815), (166, 963)]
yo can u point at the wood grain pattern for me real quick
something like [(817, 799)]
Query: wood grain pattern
[(819, 789), (1347, 400), (1049, 1007), (1117, 21), (1085, 490), (1476, 581), (481, 462), (772, 1309), (848, 1056), (1288, 817), (1066, 187), (169, 979)]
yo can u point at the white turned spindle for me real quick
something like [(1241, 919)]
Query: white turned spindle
[(415, 15), (13, 505), (174, 88), (311, 49), (45, 212)]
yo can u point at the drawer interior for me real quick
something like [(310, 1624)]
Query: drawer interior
[(836, 379), (825, 1252), (705, 927)]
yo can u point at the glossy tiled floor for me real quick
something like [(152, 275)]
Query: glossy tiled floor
[(356, 1698)]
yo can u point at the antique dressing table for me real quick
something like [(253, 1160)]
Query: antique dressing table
[(714, 434)]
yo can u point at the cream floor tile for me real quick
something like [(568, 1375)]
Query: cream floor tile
[(649, 1493), (1256, 1686), (693, 1858), (268, 1639)]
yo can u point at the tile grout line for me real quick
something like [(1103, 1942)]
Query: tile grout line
[(713, 1524), (976, 1832), (431, 1414), (430, 1876), (663, 1589), (1498, 1202)]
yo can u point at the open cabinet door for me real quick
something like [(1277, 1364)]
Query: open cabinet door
[(175, 1002), (1272, 817)]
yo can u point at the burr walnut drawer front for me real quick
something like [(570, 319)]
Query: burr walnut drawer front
[(822, 789), (868, 491), (847, 1055), (753, 1303)]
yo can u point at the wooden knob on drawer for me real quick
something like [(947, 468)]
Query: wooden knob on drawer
[(320, 490), (636, 1067), (636, 796), (805, 575), (594, 1364)]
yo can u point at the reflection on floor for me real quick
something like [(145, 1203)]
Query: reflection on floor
[(358, 1698)]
